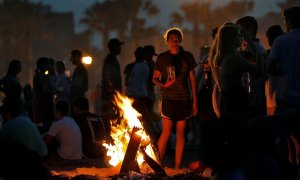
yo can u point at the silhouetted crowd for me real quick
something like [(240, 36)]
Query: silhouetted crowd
[(239, 103)]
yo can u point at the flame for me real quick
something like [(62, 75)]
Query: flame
[(121, 133)]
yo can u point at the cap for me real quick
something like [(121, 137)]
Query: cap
[(113, 42), (150, 49)]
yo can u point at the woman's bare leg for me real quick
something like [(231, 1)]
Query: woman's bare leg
[(180, 142), (167, 125)]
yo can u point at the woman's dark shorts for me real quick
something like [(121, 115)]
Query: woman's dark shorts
[(176, 110)]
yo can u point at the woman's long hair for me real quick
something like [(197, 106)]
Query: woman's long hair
[(224, 42)]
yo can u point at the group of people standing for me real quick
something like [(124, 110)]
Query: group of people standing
[(255, 99), (247, 82)]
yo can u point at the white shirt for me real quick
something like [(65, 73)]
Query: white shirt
[(138, 80), (68, 134)]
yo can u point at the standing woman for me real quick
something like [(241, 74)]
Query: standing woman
[(174, 72), (228, 68)]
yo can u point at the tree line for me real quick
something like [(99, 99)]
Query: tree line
[(21, 22)]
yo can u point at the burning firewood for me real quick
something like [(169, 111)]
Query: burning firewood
[(153, 164), (123, 133), (129, 161)]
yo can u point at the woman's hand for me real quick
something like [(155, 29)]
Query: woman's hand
[(195, 108), (169, 82)]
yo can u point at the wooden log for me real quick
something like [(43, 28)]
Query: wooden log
[(150, 129), (129, 162), (152, 163)]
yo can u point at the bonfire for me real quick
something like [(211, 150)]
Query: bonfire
[(146, 155), (121, 134)]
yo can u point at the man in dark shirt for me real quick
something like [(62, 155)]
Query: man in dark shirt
[(111, 72), (254, 83), (92, 129), (79, 81)]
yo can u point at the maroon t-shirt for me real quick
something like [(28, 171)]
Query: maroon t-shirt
[(183, 62)]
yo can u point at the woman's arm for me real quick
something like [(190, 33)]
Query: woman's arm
[(193, 86)]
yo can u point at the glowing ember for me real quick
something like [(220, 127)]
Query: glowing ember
[(121, 133)]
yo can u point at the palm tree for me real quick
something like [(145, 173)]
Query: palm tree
[(20, 18), (132, 23), (100, 18), (203, 18), (110, 16), (231, 11), (138, 23), (198, 14)]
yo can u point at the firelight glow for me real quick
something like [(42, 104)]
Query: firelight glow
[(121, 133), (87, 60)]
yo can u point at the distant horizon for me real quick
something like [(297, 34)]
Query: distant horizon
[(78, 7)]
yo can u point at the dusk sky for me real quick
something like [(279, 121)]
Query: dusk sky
[(166, 8)]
